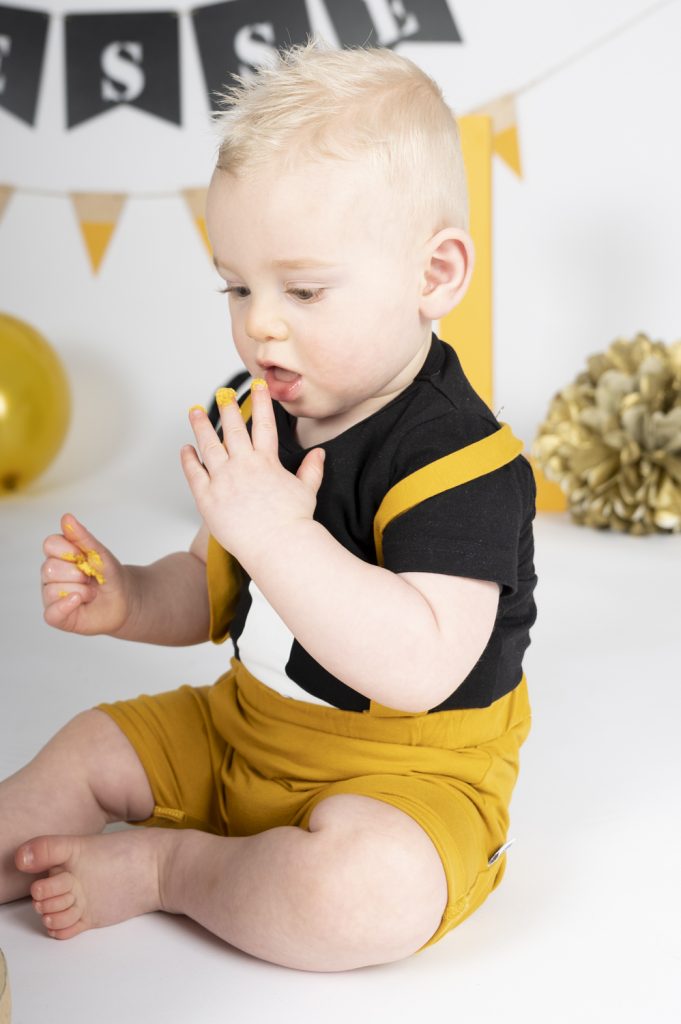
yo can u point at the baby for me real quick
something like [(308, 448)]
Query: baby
[(340, 796)]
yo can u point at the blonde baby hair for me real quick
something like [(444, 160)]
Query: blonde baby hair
[(311, 102)]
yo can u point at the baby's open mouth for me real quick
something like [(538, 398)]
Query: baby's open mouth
[(284, 375), (283, 384)]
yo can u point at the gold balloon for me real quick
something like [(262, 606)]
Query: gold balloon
[(34, 404)]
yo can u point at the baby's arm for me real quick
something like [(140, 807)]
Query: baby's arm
[(87, 590), (405, 641)]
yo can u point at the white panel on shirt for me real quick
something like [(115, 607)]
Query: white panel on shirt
[(265, 648)]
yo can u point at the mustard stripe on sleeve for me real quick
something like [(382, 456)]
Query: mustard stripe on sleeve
[(469, 463)]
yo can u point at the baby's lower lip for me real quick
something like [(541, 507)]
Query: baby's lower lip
[(282, 390)]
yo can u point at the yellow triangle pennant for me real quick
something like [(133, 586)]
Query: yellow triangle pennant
[(506, 146), (6, 192), (97, 214), (504, 131), (195, 199)]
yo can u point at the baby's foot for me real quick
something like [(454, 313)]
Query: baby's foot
[(93, 881)]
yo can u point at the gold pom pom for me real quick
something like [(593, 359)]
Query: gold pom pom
[(612, 439), (5, 994)]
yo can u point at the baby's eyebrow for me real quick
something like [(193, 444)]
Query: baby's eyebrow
[(302, 263)]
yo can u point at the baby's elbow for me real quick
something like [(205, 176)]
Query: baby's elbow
[(443, 678)]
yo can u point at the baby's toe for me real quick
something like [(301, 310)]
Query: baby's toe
[(45, 852), (56, 904), (64, 919), (67, 933), (55, 885)]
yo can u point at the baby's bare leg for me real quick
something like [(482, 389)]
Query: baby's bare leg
[(364, 886), (87, 776)]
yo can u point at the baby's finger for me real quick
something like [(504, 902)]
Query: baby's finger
[(56, 546), (234, 432), (195, 474), (81, 537), (210, 447), (61, 612), (311, 469), (264, 430), (63, 594), (58, 570), (57, 612), (78, 546)]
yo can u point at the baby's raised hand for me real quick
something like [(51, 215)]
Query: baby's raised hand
[(84, 586), (242, 491)]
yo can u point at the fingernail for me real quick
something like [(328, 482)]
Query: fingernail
[(27, 857), (258, 384), (225, 396), (201, 407)]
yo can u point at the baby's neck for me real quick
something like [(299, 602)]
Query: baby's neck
[(309, 432)]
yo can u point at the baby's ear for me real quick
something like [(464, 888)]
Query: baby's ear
[(449, 258)]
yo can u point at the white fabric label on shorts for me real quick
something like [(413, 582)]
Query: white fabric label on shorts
[(502, 849)]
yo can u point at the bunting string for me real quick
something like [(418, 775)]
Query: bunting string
[(502, 109), (596, 44)]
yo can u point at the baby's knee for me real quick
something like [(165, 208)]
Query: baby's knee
[(98, 760), (374, 899)]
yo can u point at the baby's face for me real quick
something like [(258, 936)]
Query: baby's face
[(324, 283)]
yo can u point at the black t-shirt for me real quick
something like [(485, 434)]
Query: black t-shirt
[(481, 529)]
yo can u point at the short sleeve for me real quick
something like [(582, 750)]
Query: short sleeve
[(473, 529), (224, 578)]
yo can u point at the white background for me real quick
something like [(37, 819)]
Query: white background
[(585, 924)]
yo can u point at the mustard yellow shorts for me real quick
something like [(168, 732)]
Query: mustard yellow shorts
[(237, 758)]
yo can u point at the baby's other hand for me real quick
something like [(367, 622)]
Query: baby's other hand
[(84, 587)]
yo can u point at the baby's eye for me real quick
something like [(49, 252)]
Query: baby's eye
[(235, 289), (306, 294)]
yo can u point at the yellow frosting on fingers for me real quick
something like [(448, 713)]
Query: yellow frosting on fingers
[(89, 564), (225, 396)]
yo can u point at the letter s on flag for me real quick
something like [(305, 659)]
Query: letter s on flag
[(121, 62), (251, 45), (5, 50)]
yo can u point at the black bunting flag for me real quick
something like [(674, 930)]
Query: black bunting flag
[(22, 48), (388, 22), (236, 37), (126, 58), (133, 58)]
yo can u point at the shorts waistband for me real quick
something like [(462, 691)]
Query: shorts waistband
[(447, 730)]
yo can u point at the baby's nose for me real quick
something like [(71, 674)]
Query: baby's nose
[(264, 323)]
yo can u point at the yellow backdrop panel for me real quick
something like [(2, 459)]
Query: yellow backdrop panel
[(469, 326)]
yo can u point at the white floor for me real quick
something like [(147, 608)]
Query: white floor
[(586, 925)]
